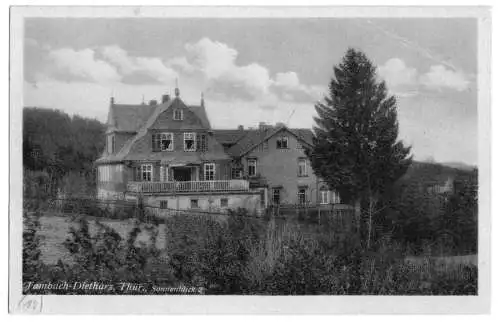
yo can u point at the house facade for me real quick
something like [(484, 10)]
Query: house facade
[(168, 155), (274, 158)]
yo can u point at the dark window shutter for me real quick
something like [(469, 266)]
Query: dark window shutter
[(156, 142), (198, 142)]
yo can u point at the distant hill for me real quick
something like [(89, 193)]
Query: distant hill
[(460, 165), (57, 143), (430, 173)]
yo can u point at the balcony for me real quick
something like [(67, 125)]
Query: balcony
[(189, 186)]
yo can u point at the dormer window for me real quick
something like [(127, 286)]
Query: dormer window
[(178, 115)]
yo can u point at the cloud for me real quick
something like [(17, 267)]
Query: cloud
[(290, 88), (209, 64), (82, 65), (404, 80), (146, 68), (396, 73), (440, 77), (216, 62), (288, 80)]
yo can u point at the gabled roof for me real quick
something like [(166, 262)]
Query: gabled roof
[(125, 151), (229, 136), (143, 130), (306, 135), (128, 118), (202, 115), (253, 138)]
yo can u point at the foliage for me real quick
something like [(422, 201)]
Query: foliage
[(415, 215), (356, 145), (31, 245), (57, 144)]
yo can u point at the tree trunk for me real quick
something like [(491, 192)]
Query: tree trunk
[(370, 212), (357, 214), (372, 203)]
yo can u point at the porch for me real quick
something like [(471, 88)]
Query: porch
[(188, 186)]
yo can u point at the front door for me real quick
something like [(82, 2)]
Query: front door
[(182, 174)]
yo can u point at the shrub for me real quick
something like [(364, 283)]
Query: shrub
[(31, 246)]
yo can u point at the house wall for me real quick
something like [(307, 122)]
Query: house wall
[(207, 202), (280, 168), (222, 171)]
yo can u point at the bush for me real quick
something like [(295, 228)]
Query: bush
[(31, 246)]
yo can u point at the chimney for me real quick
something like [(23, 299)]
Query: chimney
[(165, 98), (263, 126), (240, 127), (153, 103)]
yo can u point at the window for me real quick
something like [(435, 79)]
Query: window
[(178, 115), (236, 173), (162, 141), (323, 196), (252, 167), (302, 196), (194, 204), (111, 144), (299, 146), (282, 142), (302, 171), (209, 171), (201, 143), (163, 204), (166, 141), (276, 196), (189, 139), (146, 172), (335, 197), (223, 202)]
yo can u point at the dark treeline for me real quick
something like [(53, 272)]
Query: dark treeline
[(417, 215), (57, 146)]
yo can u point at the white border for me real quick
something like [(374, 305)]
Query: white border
[(253, 304)]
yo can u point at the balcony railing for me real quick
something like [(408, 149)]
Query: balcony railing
[(189, 186)]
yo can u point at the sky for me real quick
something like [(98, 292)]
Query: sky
[(255, 69)]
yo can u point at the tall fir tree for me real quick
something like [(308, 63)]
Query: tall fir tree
[(356, 148)]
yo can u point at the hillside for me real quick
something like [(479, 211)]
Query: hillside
[(59, 150)]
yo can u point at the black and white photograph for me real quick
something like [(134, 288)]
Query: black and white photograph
[(271, 152)]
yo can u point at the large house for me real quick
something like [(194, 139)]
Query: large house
[(168, 154)]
